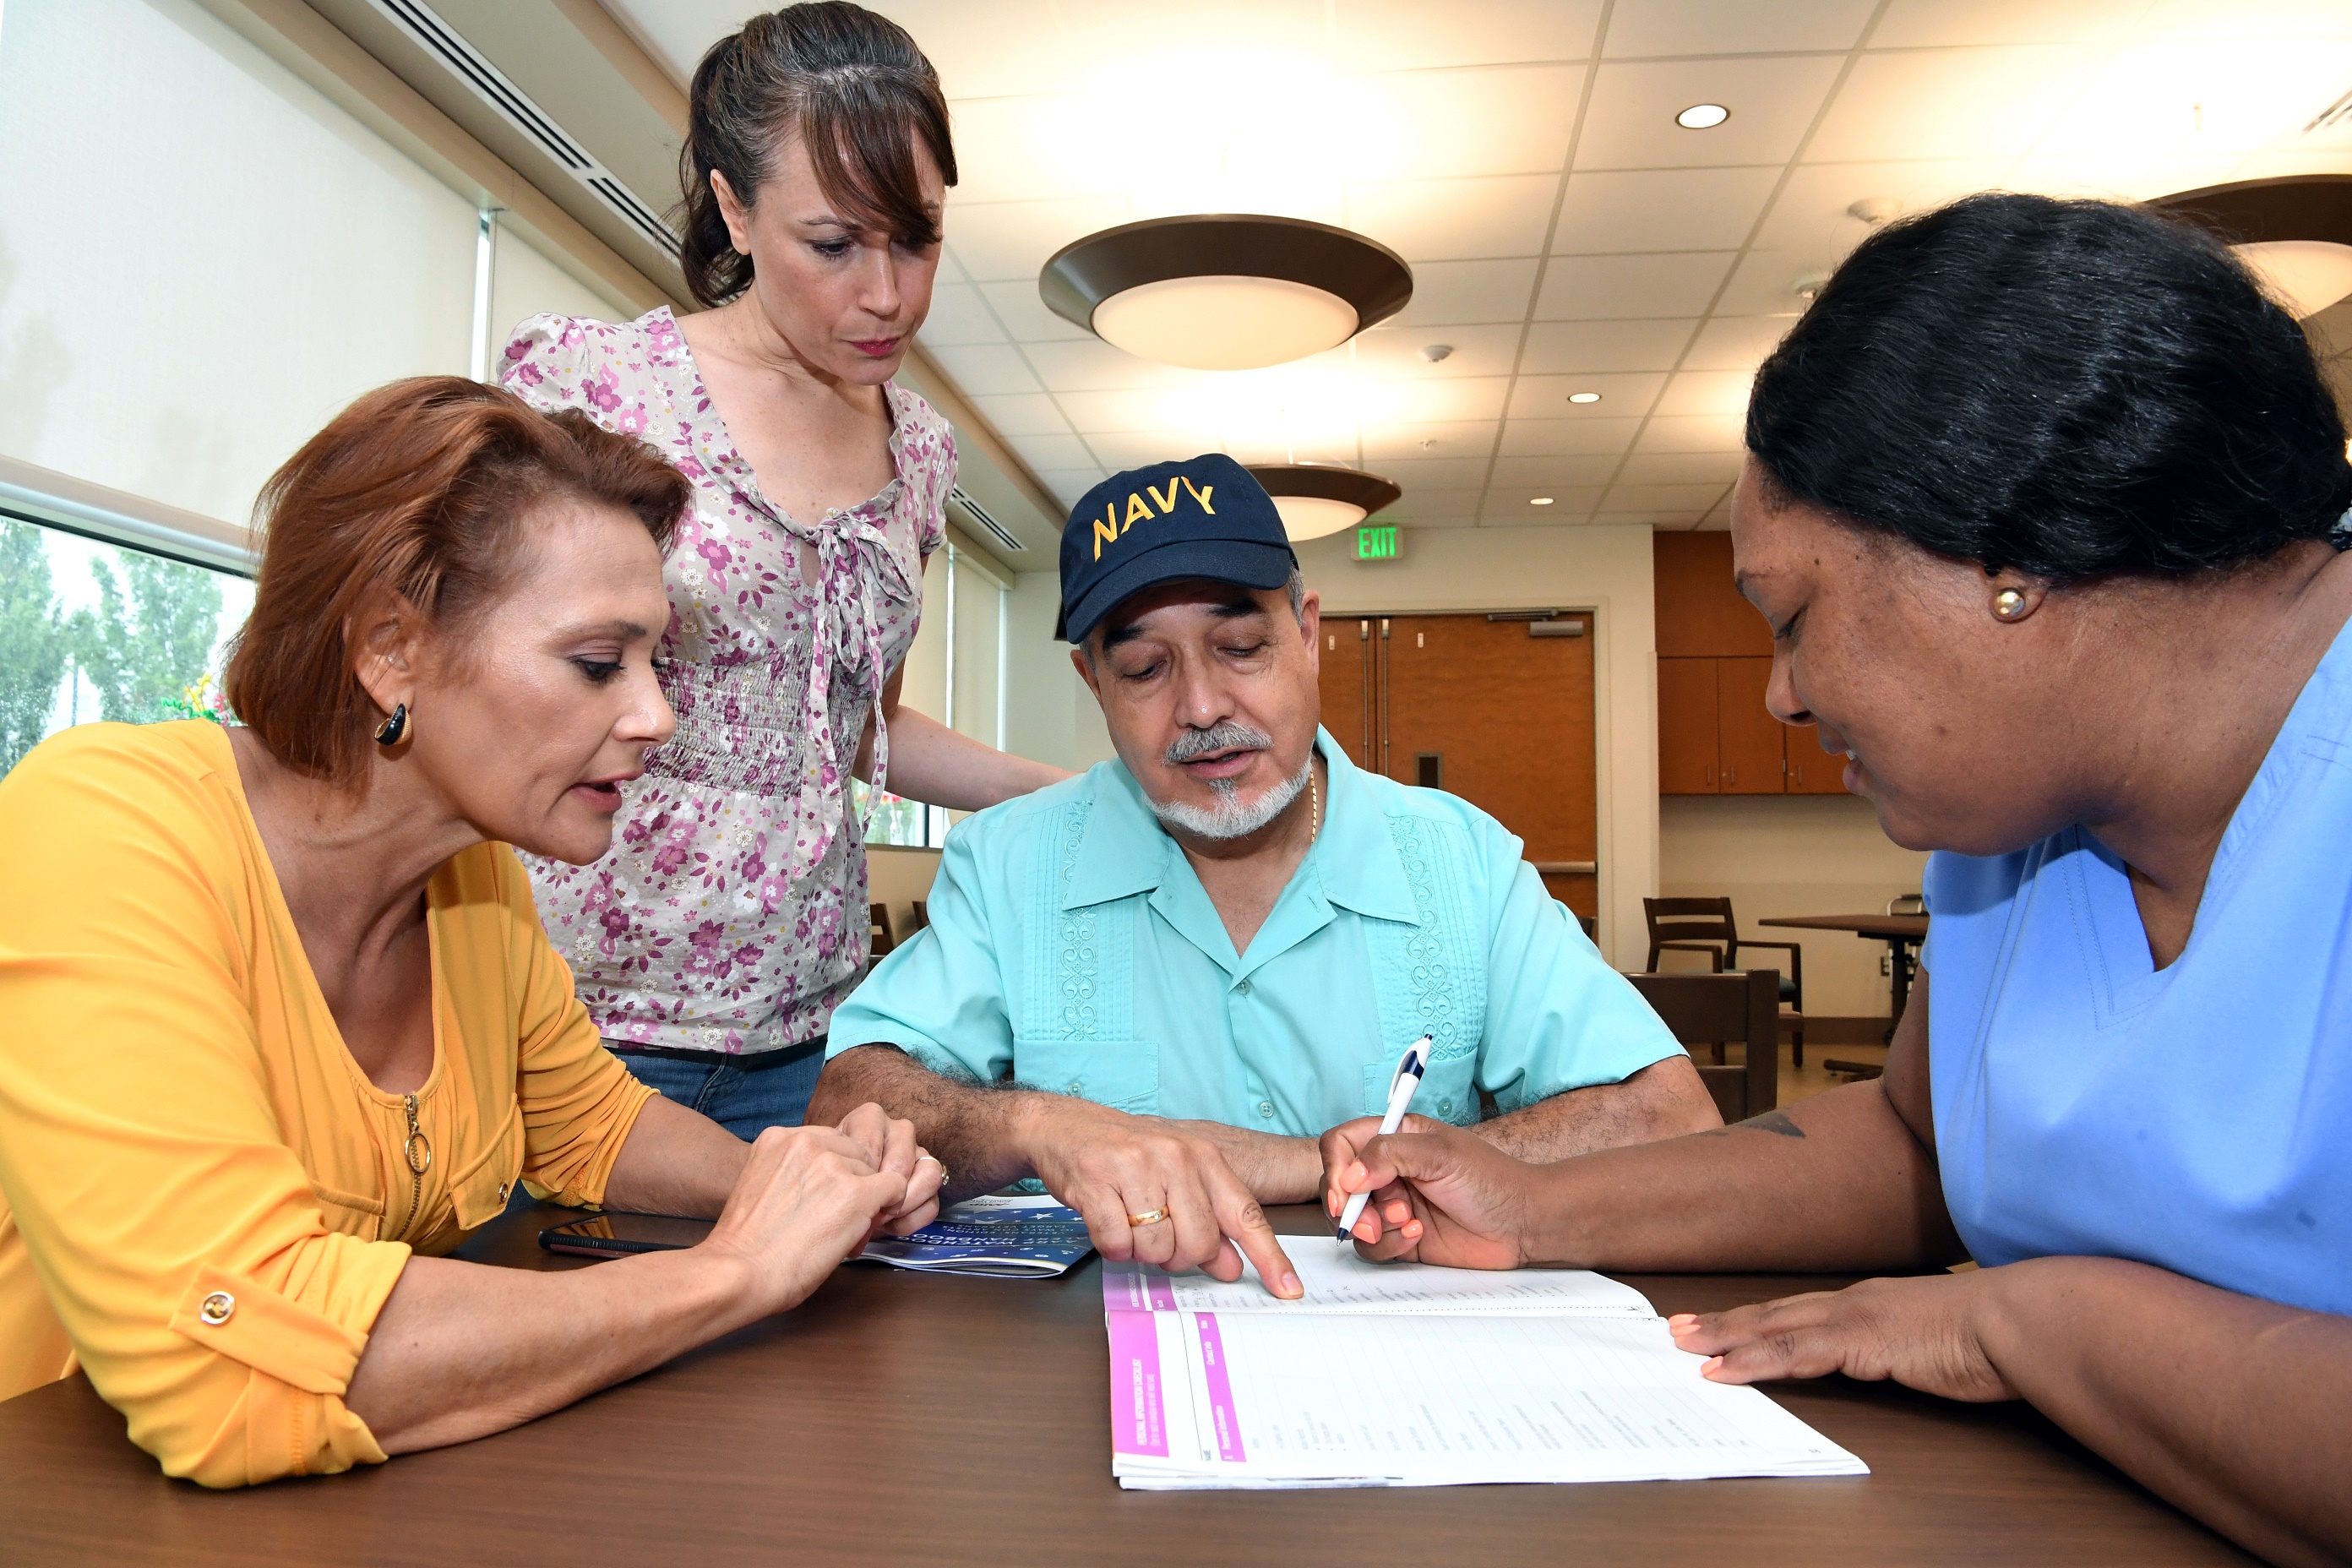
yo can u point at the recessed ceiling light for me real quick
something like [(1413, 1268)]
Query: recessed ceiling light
[(1541, 500), (1702, 117), (1226, 291), (1317, 499), (1585, 397)]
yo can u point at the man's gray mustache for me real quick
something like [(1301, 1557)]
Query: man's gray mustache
[(1227, 736)]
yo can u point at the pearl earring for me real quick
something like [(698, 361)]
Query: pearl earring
[(2008, 604)]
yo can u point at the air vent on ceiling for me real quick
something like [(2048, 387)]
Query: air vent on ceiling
[(490, 84), (988, 526)]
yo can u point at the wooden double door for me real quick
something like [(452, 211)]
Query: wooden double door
[(1499, 711)]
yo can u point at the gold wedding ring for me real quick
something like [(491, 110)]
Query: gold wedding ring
[(1149, 1216)]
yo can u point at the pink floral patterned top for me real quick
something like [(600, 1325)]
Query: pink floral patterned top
[(730, 914)]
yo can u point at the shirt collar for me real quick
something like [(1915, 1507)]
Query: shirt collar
[(1127, 851)]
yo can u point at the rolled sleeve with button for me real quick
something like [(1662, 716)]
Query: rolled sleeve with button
[(1072, 948)]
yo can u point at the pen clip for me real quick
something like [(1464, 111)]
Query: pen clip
[(1414, 1061)]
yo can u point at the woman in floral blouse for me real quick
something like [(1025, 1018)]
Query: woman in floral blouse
[(712, 943)]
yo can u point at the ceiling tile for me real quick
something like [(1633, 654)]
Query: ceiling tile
[(1067, 485), (1570, 348), (1516, 503), (957, 317), (1423, 474), (1413, 35), (1454, 220), (1693, 433), (1443, 401), (996, 50), (1659, 519), (1717, 392), (1680, 469), (1025, 315), (1421, 505), (1090, 364), (1736, 343), (995, 240), (1732, 26), (1600, 436), (1631, 123), (1461, 439), (1449, 293), (1811, 214), (1140, 448), (1546, 475), (1388, 354), (981, 370), (1026, 413), (1593, 287), (1662, 498), (1027, 149), (1939, 24), (1950, 103), (1136, 408), (1660, 209), (1050, 451), (1448, 519), (1445, 124), (1622, 393), (1765, 283)]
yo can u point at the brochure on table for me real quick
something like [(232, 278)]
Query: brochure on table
[(1022, 1236), (1405, 1374)]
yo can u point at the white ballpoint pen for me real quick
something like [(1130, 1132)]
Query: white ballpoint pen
[(1400, 1092)]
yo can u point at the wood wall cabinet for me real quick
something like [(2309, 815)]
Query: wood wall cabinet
[(1715, 659)]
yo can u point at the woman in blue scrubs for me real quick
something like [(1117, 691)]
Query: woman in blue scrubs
[(2046, 506)]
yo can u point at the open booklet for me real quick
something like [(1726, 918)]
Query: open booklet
[(1406, 1375), (1021, 1236)]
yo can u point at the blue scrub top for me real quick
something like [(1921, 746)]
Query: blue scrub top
[(2198, 1118)]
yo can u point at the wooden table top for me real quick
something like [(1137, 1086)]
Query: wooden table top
[(1911, 927), (897, 1417)]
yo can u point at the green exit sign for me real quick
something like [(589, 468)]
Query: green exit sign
[(1379, 543)]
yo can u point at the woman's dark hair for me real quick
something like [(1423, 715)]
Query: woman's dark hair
[(852, 88), (423, 489), (2073, 389)]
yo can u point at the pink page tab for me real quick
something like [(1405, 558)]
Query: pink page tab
[(1138, 1420), (1136, 1288), (1221, 1389)]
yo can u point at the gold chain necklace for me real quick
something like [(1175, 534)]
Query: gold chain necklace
[(1314, 804)]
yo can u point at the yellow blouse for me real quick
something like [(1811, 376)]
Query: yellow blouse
[(204, 1202)]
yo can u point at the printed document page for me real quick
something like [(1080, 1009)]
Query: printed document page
[(1337, 1280), (1260, 1398)]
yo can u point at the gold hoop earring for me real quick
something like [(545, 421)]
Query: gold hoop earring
[(2008, 604), (389, 732)]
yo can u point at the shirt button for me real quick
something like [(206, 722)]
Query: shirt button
[(1240, 988), (1076, 1086), (502, 1191), (1266, 1107), (217, 1309), (1446, 1107)]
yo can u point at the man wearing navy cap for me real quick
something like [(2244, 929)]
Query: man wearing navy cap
[(1152, 987)]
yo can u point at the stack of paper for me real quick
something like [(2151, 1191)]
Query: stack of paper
[(1405, 1374)]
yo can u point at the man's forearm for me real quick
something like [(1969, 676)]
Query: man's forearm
[(1664, 1099), (970, 1127), (1837, 1183), (2230, 1406)]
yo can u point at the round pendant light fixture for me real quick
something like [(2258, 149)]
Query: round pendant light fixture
[(2295, 232), (1226, 291), (1317, 499)]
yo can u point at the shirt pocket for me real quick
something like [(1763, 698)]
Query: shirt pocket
[(1448, 1092), (1121, 1074), (479, 1192)]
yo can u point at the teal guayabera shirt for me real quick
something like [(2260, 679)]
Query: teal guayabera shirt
[(1072, 948)]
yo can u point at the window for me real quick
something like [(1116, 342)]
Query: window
[(280, 259), (954, 673)]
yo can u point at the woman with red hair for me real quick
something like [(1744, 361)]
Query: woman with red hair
[(284, 1027)]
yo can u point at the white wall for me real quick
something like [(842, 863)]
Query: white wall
[(1604, 570), (1049, 714), (1791, 855)]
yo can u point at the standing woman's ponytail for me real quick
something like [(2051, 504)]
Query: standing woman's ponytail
[(855, 90)]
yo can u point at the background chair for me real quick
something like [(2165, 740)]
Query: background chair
[(1708, 1009), (1705, 925), (877, 916)]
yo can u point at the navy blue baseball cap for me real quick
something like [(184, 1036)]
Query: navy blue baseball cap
[(1200, 517)]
